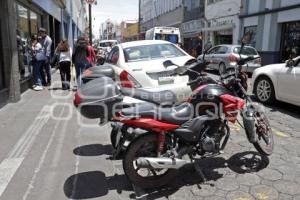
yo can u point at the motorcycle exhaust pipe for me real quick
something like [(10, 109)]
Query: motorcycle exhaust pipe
[(160, 163)]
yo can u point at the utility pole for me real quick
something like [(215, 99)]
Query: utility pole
[(139, 21), (90, 24)]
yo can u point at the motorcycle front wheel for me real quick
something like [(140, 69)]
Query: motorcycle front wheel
[(145, 146), (265, 140)]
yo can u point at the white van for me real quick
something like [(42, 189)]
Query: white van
[(170, 34)]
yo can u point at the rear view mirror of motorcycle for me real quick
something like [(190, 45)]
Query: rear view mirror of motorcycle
[(180, 70), (168, 63), (247, 37)]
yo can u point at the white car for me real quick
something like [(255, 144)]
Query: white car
[(278, 82), (139, 64)]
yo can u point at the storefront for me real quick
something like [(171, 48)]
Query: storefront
[(192, 35), (221, 31), (290, 43), (28, 22)]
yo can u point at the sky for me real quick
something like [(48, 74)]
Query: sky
[(116, 10)]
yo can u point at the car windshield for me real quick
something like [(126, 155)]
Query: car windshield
[(167, 37), (149, 52), (248, 51)]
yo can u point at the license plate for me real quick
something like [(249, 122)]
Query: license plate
[(165, 80)]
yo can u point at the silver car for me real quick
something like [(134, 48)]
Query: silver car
[(227, 56)]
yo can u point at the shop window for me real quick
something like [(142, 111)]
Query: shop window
[(27, 25), (291, 40), (253, 31), (23, 35), (34, 21), (2, 83)]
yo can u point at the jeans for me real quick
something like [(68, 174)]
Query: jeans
[(65, 74), (37, 65), (46, 72), (80, 67)]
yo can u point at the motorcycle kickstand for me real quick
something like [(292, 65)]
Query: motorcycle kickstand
[(201, 174)]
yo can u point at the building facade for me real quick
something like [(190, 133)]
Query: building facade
[(222, 21), (160, 13), (275, 25), (193, 23), (20, 19)]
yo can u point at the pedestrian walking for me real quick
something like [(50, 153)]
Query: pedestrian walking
[(46, 42), (37, 61), (91, 55), (64, 53), (80, 58)]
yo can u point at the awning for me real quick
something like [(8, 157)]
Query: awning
[(191, 34), (219, 28)]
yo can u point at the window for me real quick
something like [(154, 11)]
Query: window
[(248, 51), (222, 50), (213, 50), (2, 84), (253, 30), (113, 57), (27, 25), (151, 52)]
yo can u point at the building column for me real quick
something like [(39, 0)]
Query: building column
[(10, 51)]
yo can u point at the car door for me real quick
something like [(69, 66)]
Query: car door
[(220, 56), (289, 84), (211, 56), (113, 59)]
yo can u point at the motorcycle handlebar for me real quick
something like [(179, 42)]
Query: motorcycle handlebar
[(245, 60)]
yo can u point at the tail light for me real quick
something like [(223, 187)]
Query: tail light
[(77, 99), (232, 58), (87, 72), (128, 81)]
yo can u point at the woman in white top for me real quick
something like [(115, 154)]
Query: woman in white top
[(65, 56)]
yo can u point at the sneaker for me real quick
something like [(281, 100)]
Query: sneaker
[(38, 88)]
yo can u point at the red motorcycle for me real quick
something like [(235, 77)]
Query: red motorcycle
[(197, 128), (167, 135)]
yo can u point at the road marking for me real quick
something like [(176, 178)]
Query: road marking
[(25, 142), (262, 196), (15, 157), (42, 159), (8, 168), (279, 133)]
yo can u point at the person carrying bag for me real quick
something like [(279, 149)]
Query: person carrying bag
[(64, 53)]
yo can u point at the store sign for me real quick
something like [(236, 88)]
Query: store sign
[(192, 26), (221, 22)]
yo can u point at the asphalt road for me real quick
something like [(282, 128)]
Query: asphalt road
[(48, 152)]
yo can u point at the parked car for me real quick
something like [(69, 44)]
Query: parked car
[(224, 56), (139, 64), (106, 45), (278, 81)]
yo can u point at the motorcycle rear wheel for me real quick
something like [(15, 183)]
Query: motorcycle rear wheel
[(145, 146)]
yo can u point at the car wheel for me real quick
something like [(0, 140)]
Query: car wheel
[(222, 68), (264, 90)]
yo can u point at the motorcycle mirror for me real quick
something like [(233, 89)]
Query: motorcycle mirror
[(247, 37), (207, 46), (180, 70), (168, 63), (289, 63)]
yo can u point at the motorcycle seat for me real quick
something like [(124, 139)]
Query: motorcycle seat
[(162, 98), (174, 115)]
